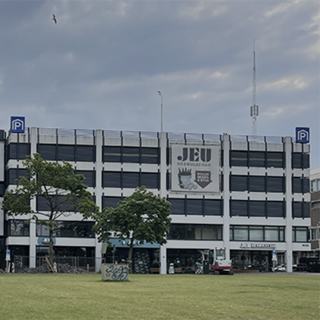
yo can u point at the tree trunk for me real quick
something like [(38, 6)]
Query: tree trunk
[(50, 248), (130, 255)]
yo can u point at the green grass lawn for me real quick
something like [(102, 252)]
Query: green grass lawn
[(149, 297)]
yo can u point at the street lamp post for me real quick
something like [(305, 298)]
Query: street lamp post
[(160, 94)]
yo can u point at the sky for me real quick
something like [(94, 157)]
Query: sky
[(102, 64)]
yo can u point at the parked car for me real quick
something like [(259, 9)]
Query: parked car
[(283, 268)]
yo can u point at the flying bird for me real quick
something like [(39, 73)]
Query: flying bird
[(54, 18)]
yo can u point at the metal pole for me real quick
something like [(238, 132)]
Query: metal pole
[(161, 110)]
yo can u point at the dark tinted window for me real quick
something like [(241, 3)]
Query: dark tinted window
[(111, 179), (257, 159), (111, 201), (275, 209), (65, 152), (16, 173), (47, 151), (257, 208), (306, 185), (177, 206), (18, 228), (89, 177), (85, 153), (239, 183), (297, 160), (111, 154), (275, 159), (130, 154), (275, 184), (194, 206), (306, 210), (212, 207), (239, 158), (297, 185), (306, 160), (257, 184), (297, 209), (18, 150), (150, 180), (150, 155), (1, 189), (130, 179), (239, 208)]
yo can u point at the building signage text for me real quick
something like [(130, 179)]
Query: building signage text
[(257, 246)]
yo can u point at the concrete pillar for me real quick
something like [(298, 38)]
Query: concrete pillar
[(33, 234), (98, 190), (226, 193), (163, 192), (288, 198)]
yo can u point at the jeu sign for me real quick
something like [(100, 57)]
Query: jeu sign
[(195, 168)]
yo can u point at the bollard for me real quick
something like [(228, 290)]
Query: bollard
[(12, 267), (88, 268)]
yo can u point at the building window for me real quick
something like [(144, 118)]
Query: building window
[(117, 179), (276, 209), (300, 234), (212, 207), (195, 232), (206, 207), (239, 208), (18, 151), (111, 154), (150, 155), (238, 183), (300, 160), (275, 159), (257, 159), (131, 154), (257, 208), (275, 184), (257, 183), (111, 202), (238, 158), (47, 151), (65, 229), (65, 152), (15, 174), (18, 228), (300, 209), (177, 206), (300, 185), (315, 185), (85, 153), (257, 233), (111, 179), (89, 177)]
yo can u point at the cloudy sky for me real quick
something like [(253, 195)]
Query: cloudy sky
[(101, 65)]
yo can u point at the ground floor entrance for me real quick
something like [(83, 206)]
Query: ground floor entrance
[(251, 260)]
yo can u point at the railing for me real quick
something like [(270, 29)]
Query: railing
[(85, 263), (155, 135)]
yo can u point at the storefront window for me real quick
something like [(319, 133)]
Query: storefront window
[(256, 233), (241, 233), (18, 228), (271, 234)]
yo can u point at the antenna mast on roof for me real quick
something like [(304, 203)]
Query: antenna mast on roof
[(254, 109)]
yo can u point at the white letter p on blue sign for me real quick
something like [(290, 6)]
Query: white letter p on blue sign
[(302, 135), (17, 124)]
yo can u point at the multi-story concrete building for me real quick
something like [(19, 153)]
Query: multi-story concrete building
[(249, 195), (315, 211)]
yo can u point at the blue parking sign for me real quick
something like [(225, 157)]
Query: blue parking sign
[(302, 135), (17, 124)]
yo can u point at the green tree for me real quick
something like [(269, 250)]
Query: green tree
[(141, 216), (61, 190)]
